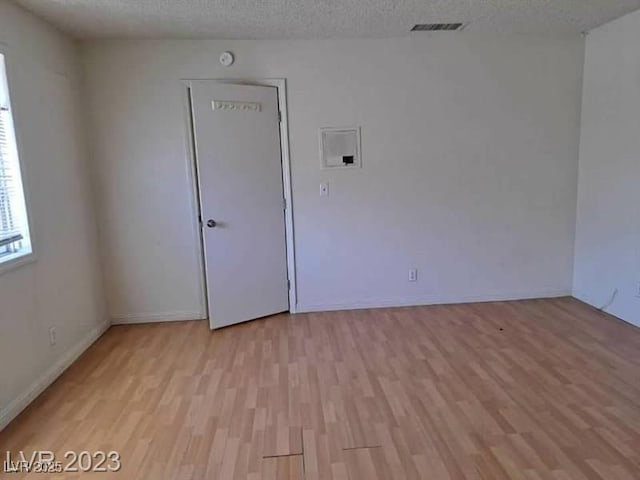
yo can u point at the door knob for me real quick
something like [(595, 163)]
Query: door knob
[(211, 223)]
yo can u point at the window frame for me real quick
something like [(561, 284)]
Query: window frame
[(27, 258)]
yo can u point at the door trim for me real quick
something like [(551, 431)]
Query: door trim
[(281, 85)]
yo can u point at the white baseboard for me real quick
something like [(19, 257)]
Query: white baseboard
[(584, 298), (12, 410), (127, 318), (610, 309), (430, 300)]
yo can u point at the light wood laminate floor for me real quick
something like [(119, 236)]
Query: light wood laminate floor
[(529, 390)]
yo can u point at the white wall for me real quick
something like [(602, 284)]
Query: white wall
[(608, 227), (470, 154), (62, 286)]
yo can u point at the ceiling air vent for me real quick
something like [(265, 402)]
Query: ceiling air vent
[(438, 27)]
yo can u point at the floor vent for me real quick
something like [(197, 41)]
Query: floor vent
[(438, 27)]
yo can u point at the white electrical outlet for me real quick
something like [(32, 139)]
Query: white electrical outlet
[(52, 336), (413, 274)]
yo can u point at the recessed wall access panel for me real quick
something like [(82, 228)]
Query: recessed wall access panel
[(340, 147)]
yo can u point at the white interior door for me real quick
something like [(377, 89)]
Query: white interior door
[(236, 132)]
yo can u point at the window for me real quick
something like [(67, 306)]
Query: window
[(15, 241)]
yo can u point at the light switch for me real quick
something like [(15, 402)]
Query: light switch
[(324, 189)]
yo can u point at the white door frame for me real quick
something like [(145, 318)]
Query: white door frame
[(281, 85)]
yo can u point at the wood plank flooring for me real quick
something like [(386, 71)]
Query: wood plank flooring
[(529, 390)]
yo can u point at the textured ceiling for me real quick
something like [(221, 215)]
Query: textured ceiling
[(319, 18)]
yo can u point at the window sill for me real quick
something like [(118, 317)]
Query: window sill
[(9, 264)]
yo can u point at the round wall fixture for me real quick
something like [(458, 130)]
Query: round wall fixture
[(226, 59)]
